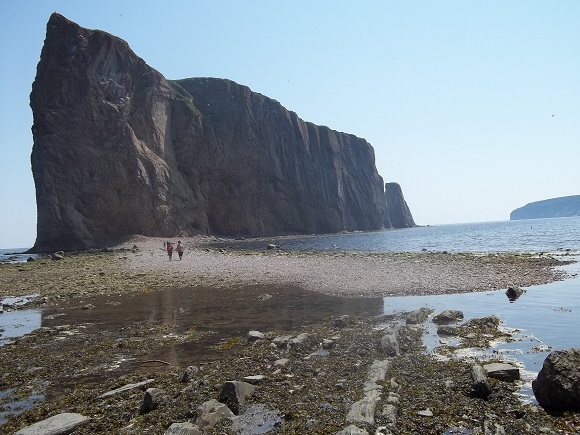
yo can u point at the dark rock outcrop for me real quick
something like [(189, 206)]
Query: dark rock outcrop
[(565, 206), (119, 150), (398, 212)]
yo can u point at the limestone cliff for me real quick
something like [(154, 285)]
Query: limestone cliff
[(119, 150), (565, 206), (398, 212)]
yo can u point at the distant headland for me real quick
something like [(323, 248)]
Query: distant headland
[(565, 206)]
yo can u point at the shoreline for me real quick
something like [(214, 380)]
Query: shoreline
[(78, 355)]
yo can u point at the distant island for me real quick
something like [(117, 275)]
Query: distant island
[(564, 206)]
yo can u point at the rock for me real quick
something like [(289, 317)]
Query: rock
[(301, 341), (398, 212), (480, 384), (56, 256), (60, 424), (352, 430), (152, 399), (503, 372), (186, 428), (199, 155), (254, 336), (425, 413), (557, 385), (390, 414), (234, 394), (271, 246), (189, 373), (513, 293), (30, 259), (448, 316), (328, 344), (283, 362), (282, 341), (124, 388), (418, 316), (257, 419), (390, 341), (209, 413)]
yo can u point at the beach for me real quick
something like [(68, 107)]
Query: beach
[(80, 354)]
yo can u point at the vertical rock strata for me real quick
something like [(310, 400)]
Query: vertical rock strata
[(119, 150), (398, 212)]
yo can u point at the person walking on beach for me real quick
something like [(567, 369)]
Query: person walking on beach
[(179, 249), (169, 250)]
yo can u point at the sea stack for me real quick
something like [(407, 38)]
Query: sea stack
[(119, 150)]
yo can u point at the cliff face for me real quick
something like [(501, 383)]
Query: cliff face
[(398, 211), (119, 150), (565, 206)]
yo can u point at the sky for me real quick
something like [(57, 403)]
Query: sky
[(473, 107)]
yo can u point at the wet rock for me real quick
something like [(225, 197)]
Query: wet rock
[(186, 428), (480, 383), (234, 394), (448, 316), (59, 424), (152, 399), (558, 383), (271, 246), (363, 411), (502, 371), (30, 259), (209, 413), (513, 293), (418, 316)]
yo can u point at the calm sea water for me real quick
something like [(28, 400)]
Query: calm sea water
[(537, 235)]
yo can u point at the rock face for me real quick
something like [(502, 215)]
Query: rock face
[(398, 212), (565, 206), (119, 150)]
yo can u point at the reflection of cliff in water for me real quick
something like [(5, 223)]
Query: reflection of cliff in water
[(225, 312)]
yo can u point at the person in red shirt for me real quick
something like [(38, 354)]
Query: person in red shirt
[(169, 250)]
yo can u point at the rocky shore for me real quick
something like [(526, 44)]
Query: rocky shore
[(342, 372)]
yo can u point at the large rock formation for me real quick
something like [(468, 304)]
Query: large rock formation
[(565, 206), (398, 212), (119, 150)]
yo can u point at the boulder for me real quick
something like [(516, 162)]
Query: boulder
[(234, 394), (448, 316), (418, 316), (513, 293), (558, 383), (152, 399), (209, 413), (480, 383)]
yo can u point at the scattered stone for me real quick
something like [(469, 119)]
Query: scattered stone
[(448, 316), (209, 413), (189, 374), (282, 341), (513, 293), (234, 394), (390, 341), (352, 430), (283, 362), (418, 316), (341, 322), (480, 383), (327, 344), (152, 399), (64, 423), (558, 383), (56, 256), (30, 259), (271, 246), (257, 419), (254, 336), (186, 428), (425, 413), (254, 378), (502, 371), (125, 388)]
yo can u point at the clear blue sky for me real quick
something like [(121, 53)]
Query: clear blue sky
[(472, 107)]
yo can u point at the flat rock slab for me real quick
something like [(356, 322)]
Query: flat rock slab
[(60, 424), (502, 371), (125, 388)]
